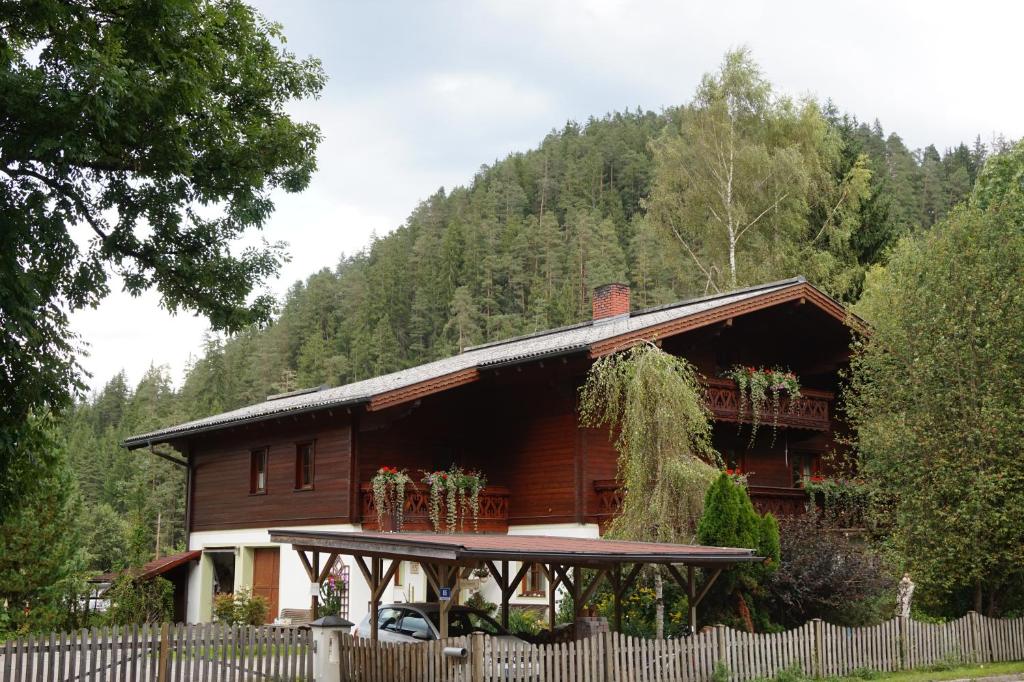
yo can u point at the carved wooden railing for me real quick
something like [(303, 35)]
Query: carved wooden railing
[(416, 510), (778, 501), (811, 411)]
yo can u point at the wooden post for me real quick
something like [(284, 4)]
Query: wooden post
[(476, 653), (443, 605), (503, 585), (607, 642), (552, 591), (163, 667), (374, 598), (819, 652), (616, 577), (723, 654), (904, 644), (577, 592), (691, 597), (314, 601)]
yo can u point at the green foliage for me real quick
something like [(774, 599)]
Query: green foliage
[(936, 401), (389, 495), (134, 601), (730, 520), (524, 622), (121, 119), (759, 386), (331, 592), (737, 179), (824, 573), (844, 502), (455, 492), (721, 673), (42, 567), (478, 602), (240, 608), (653, 404)]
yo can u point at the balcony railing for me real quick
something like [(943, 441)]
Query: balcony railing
[(811, 411), (416, 510), (778, 501)]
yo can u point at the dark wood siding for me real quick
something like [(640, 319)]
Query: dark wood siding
[(221, 496)]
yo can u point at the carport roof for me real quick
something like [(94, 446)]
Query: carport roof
[(467, 549)]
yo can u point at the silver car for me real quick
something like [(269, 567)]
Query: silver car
[(420, 622)]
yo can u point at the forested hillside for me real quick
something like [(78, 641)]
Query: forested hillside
[(624, 197)]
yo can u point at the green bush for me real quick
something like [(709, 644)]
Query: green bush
[(477, 601), (524, 622), (134, 601), (240, 608)]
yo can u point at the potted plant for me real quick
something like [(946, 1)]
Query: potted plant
[(457, 492), (758, 386), (331, 592), (389, 497)]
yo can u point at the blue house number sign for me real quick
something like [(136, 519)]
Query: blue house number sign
[(445, 594)]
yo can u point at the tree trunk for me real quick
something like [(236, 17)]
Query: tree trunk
[(977, 597), (744, 611), (659, 606)]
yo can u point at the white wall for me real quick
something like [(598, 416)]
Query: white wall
[(294, 583)]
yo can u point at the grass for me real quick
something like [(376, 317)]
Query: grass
[(936, 673), (954, 673)]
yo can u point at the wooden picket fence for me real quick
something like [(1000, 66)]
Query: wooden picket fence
[(818, 648), (161, 653)]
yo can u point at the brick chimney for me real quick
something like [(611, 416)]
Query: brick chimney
[(610, 300)]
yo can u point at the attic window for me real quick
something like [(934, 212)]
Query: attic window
[(258, 472)]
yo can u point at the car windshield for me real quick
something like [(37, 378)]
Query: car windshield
[(462, 623)]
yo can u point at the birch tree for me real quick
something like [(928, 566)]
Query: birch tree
[(736, 178)]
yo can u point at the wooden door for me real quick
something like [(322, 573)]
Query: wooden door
[(265, 577)]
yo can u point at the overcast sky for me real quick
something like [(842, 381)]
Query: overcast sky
[(422, 93)]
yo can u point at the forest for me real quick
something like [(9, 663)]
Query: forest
[(627, 196)]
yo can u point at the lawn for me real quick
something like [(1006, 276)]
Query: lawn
[(957, 673)]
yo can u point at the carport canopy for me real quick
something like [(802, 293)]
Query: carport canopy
[(447, 559)]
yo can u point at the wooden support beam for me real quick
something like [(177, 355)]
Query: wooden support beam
[(361, 564), (577, 591), (328, 567), (314, 600), (691, 595), (375, 564), (552, 590), (501, 577), (510, 588), (563, 576), (588, 592), (707, 586), (306, 565)]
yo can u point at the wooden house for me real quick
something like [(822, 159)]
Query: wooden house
[(508, 408)]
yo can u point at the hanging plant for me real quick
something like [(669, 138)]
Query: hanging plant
[(389, 495), (458, 492), (758, 387)]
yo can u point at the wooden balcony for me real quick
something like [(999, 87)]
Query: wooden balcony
[(811, 411), (416, 511), (778, 501)]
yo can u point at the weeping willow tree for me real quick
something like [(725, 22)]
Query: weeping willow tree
[(653, 404)]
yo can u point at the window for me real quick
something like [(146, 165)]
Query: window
[(304, 456), (806, 466), (415, 625), (387, 619), (535, 582), (258, 472)]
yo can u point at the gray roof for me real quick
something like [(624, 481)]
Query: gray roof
[(561, 341)]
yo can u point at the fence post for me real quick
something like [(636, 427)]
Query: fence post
[(904, 644), (723, 655), (165, 660), (819, 652), (606, 643), (982, 652), (476, 655)]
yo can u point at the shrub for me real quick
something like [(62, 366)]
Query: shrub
[(825, 574), (477, 601), (524, 622), (134, 601), (240, 608)]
